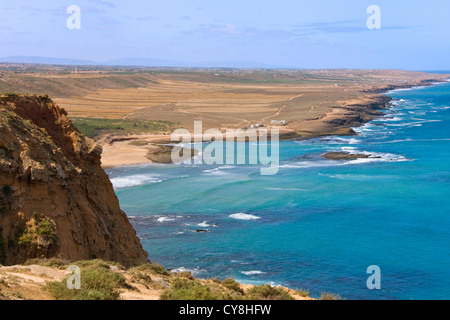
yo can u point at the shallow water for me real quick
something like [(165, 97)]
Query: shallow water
[(318, 224)]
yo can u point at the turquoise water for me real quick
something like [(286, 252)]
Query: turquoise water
[(318, 224)]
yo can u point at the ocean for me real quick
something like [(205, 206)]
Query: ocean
[(318, 224)]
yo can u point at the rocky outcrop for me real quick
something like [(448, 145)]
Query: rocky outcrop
[(345, 156), (55, 199)]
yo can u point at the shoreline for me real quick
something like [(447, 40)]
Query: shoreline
[(386, 105), (130, 150)]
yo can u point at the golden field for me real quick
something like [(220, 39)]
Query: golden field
[(220, 98)]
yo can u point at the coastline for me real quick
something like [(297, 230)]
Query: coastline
[(364, 112), (129, 150), (411, 88)]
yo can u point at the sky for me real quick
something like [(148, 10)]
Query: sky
[(414, 35)]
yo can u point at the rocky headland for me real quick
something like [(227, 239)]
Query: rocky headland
[(55, 199)]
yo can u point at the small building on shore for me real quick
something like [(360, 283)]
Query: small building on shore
[(279, 122)]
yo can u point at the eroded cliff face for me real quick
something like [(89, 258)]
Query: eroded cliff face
[(55, 199)]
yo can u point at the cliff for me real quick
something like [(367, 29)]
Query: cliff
[(55, 199)]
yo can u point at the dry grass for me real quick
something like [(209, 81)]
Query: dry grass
[(220, 98)]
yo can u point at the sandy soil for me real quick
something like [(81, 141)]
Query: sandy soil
[(123, 153), (28, 283)]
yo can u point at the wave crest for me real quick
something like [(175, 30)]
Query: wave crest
[(244, 216)]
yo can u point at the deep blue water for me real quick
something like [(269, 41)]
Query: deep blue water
[(318, 224)]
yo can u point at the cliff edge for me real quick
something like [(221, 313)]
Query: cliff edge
[(55, 199)]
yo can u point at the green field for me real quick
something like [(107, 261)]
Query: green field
[(94, 127)]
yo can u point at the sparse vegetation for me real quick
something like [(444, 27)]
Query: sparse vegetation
[(142, 278), (93, 127), (232, 285), (215, 280), (267, 292), (152, 268), (186, 275), (106, 280), (329, 296), (97, 284), (95, 264), (39, 232), (229, 289), (185, 289), (302, 293), (52, 262)]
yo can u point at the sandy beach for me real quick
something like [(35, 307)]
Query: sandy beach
[(130, 150)]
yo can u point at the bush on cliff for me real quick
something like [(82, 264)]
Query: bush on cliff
[(185, 289), (232, 285), (329, 296), (267, 292), (37, 236), (152, 268)]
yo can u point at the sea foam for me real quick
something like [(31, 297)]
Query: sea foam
[(243, 216), (134, 180), (252, 272)]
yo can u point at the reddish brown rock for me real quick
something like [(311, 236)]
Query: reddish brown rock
[(55, 199)]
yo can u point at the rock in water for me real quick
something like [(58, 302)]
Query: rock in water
[(55, 199), (344, 156)]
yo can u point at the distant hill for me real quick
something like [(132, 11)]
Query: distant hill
[(149, 62), (47, 60), (144, 62)]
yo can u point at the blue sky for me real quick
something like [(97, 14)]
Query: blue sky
[(414, 34)]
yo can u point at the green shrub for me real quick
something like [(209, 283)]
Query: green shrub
[(302, 293), (96, 284), (185, 274), (185, 289), (37, 231), (267, 292), (232, 285), (53, 262), (45, 228), (153, 268), (329, 296), (94, 127), (97, 264)]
